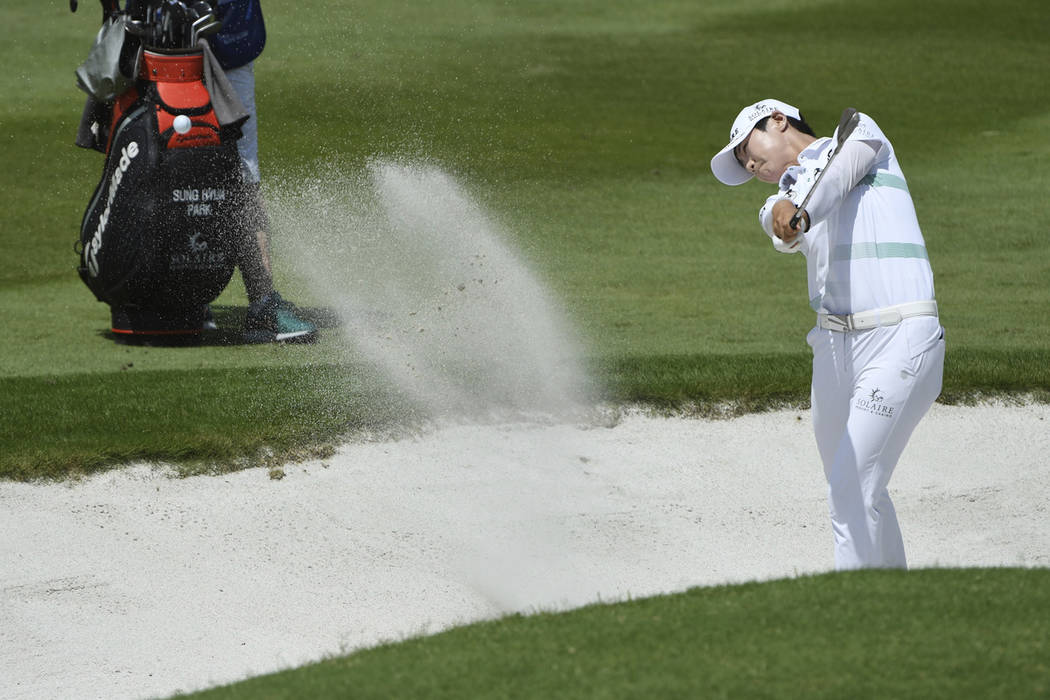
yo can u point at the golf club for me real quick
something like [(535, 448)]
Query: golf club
[(848, 122)]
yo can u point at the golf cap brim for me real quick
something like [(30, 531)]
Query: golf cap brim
[(724, 165)]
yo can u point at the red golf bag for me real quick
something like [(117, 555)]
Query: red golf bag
[(160, 237)]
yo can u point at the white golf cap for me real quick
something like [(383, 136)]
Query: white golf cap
[(724, 165)]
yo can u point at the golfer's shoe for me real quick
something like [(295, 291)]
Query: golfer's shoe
[(208, 324), (274, 320)]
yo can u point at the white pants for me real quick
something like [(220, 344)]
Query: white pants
[(870, 389)]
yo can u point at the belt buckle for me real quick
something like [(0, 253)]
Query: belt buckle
[(839, 322)]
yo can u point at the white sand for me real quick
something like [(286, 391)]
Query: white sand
[(133, 584)]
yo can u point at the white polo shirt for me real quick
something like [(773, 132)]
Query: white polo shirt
[(864, 249)]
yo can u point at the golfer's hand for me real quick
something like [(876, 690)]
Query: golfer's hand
[(783, 211)]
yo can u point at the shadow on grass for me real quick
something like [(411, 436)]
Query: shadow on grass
[(230, 329)]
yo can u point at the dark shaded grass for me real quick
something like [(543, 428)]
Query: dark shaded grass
[(71, 425), (68, 425)]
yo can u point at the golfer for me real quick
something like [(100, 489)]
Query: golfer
[(878, 346)]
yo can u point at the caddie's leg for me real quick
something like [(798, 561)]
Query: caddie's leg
[(253, 246), (243, 81)]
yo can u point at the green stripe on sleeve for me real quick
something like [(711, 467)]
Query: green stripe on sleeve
[(884, 180)]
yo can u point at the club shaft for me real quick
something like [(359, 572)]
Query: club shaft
[(847, 124)]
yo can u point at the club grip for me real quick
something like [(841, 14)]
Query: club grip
[(796, 218)]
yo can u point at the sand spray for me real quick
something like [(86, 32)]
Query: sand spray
[(428, 289)]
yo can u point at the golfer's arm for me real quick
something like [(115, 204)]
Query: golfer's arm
[(852, 163)]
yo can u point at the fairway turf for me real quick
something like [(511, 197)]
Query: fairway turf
[(923, 634), (584, 129)]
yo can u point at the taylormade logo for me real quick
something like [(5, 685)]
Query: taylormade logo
[(91, 252)]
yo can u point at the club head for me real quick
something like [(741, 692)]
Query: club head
[(136, 27), (847, 123), (195, 28), (205, 30), (200, 9)]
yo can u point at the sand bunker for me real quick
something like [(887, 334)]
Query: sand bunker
[(133, 584)]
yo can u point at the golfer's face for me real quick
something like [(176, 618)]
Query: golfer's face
[(767, 154)]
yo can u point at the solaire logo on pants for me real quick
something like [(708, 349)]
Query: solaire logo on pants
[(873, 402)]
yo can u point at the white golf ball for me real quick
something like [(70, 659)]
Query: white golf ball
[(181, 124)]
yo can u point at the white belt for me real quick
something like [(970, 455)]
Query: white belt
[(887, 316)]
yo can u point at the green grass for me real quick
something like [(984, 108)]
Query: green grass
[(874, 634), (584, 128)]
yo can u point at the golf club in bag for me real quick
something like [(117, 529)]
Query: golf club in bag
[(160, 236)]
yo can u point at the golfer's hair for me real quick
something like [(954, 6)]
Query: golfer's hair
[(799, 124)]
